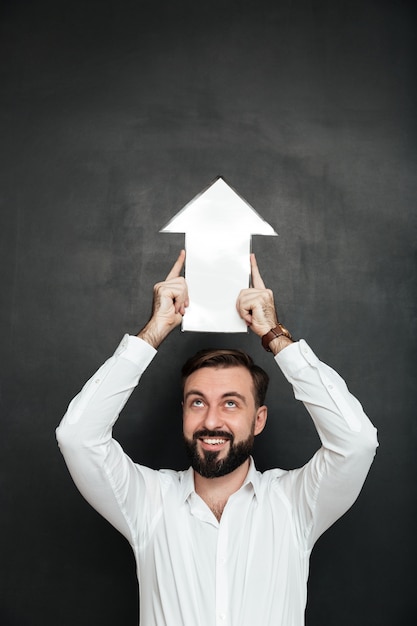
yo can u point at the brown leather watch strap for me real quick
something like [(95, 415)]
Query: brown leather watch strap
[(278, 331)]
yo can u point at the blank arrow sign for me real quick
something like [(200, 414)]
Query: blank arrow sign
[(218, 224)]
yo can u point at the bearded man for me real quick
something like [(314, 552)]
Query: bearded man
[(219, 544)]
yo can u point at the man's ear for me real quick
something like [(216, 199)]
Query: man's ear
[(260, 419)]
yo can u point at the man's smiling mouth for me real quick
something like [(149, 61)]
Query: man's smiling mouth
[(212, 439), (213, 442)]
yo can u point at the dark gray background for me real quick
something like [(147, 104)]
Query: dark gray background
[(114, 114)]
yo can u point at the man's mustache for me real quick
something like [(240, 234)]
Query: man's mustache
[(215, 434)]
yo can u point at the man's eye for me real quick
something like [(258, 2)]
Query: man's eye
[(230, 404), (197, 403)]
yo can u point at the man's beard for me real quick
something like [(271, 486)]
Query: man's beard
[(207, 464)]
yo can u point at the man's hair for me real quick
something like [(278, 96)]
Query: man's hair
[(229, 358)]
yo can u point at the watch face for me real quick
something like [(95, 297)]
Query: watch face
[(285, 331)]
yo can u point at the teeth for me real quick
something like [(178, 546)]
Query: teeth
[(214, 442)]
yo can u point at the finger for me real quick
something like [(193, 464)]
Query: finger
[(243, 305), (181, 303), (180, 295), (257, 281), (177, 267)]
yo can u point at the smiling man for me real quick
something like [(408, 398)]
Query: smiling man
[(219, 544), (219, 393), (223, 411)]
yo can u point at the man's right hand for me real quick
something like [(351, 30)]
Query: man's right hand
[(170, 299)]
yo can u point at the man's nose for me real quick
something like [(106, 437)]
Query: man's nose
[(213, 419)]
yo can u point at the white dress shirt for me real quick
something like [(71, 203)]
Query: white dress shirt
[(251, 568)]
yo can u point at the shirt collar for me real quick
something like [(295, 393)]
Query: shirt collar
[(252, 477), (187, 484), (188, 487)]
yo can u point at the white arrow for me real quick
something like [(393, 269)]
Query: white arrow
[(218, 224)]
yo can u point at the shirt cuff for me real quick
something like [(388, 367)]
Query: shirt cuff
[(295, 357), (135, 350)]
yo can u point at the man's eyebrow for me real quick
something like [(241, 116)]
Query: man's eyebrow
[(234, 394), (193, 392), (228, 394)]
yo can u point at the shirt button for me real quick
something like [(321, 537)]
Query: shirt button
[(330, 386), (97, 381), (222, 616)]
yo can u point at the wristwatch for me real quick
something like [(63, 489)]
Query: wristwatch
[(278, 331)]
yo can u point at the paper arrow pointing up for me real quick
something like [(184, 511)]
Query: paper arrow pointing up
[(218, 224)]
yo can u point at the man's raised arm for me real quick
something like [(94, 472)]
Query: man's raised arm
[(331, 481), (104, 475)]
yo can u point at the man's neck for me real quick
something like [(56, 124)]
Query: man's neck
[(216, 491)]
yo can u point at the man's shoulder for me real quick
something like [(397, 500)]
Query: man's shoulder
[(167, 478), (274, 485), (176, 476), (263, 481), (272, 475)]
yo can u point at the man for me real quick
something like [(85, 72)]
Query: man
[(219, 544)]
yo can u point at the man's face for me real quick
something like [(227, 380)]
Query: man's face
[(220, 419)]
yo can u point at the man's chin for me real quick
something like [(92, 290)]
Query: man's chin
[(217, 463)]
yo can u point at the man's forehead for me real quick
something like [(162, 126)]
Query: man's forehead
[(222, 371), (226, 380)]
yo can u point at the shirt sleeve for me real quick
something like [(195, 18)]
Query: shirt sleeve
[(327, 486), (106, 477)]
